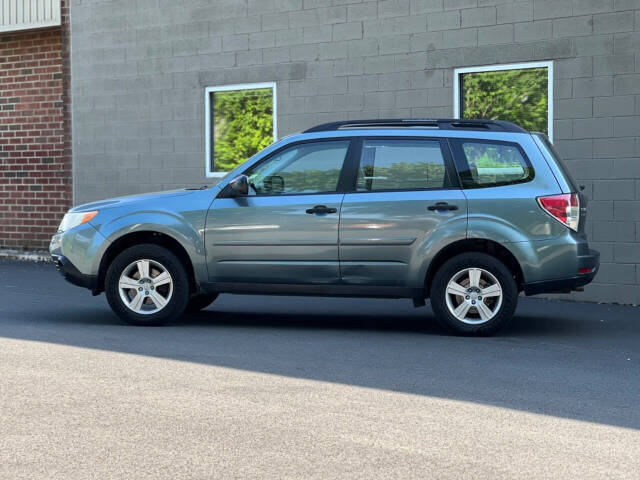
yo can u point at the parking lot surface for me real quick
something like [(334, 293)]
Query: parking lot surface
[(284, 387)]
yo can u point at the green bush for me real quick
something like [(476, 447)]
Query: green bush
[(243, 125), (518, 96)]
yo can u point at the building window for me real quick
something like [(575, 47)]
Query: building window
[(240, 121), (521, 93)]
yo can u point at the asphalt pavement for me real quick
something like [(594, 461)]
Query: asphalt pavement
[(293, 387)]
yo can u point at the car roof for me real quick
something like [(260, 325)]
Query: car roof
[(420, 123)]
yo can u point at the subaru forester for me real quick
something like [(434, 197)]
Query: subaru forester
[(465, 213)]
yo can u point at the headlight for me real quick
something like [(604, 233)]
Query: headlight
[(73, 219)]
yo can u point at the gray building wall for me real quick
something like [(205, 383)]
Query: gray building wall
[(139, 69)]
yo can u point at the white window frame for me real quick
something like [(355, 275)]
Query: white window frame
[(208, 120), (510, 66)]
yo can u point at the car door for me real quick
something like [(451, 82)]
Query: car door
[(405, 204), (286, 229)]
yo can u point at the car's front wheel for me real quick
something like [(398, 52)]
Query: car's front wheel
[(474, 294), (147, 285)]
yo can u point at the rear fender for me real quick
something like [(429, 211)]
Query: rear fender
[(552, 255), (446, 234)]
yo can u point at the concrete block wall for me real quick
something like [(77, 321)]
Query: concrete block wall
[(140, 68)]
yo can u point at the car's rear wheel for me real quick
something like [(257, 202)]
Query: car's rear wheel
[(474, 294), (147, 285), (198, 302)]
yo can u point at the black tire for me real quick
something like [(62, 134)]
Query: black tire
[(200, 301), (179, 297), (488, 263)]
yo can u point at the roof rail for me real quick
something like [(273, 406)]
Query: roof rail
[(439, 123)]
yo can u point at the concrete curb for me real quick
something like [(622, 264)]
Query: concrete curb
[(24, 255)]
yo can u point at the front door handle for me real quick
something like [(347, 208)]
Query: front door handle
[(321, 209), (442, 206)]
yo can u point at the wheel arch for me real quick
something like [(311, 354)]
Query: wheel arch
[(489, 247), (136, 238)]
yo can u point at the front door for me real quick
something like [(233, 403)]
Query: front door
[(404, 206), (286, 229)]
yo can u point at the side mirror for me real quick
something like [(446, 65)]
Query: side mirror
[(239, 186)]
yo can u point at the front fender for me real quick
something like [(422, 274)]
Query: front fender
[(185, 232)]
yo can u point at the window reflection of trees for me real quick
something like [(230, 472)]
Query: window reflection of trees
[(519, 96), (307, 168), (402, 175)]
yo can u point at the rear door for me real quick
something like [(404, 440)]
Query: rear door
[(404, 203)]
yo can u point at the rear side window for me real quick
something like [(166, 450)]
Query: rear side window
[(561, 165), (401, 164), (489, 163)]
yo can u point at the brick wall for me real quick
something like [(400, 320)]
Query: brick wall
[(35, 135), (140, 69)]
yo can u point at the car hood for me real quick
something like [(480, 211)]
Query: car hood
[(122, 201)]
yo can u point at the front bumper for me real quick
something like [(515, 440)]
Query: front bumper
[(591, 261), (73, 275), (76, 252)]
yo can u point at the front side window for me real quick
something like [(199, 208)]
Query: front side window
[(304, 168), (487, 163), (241, 121), (519, 93), (396, 164)]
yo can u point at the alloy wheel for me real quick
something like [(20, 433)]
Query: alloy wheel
[(474, 296), (145, 286)]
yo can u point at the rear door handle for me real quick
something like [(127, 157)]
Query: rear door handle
[(442, 206), (321, 209)]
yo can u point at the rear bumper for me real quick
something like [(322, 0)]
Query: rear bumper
[(73, 275), (590, 261)]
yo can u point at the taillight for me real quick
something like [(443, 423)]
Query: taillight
[(565, 208)]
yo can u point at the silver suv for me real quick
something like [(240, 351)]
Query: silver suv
[(467, 213)]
